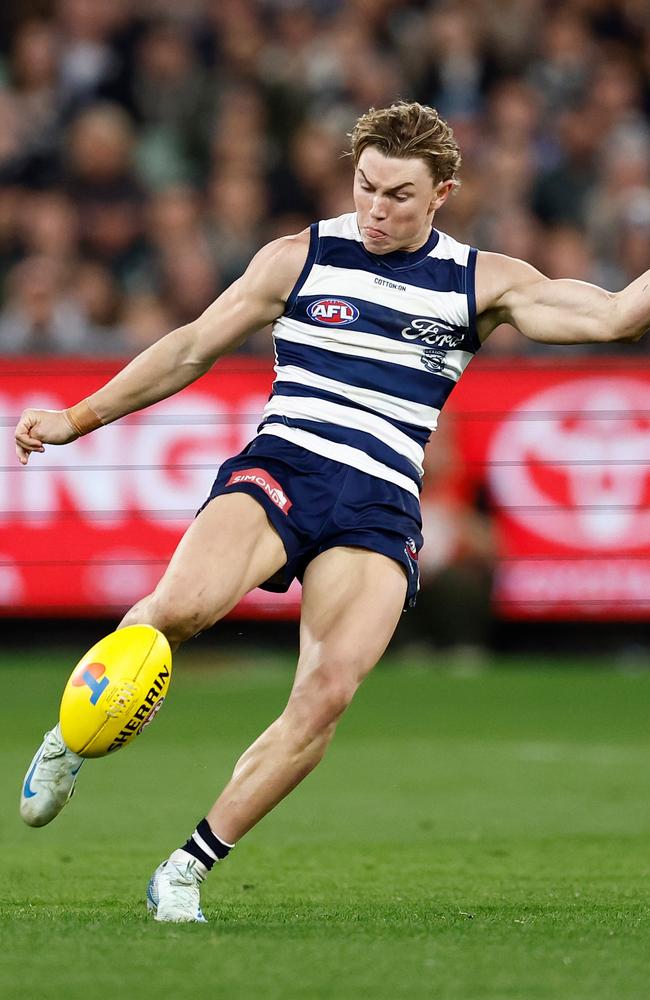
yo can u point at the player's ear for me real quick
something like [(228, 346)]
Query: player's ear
[(441, 192)]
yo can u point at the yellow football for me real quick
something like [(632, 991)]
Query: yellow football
[(115, 690)]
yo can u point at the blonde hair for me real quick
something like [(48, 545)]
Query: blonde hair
[(408, 129)]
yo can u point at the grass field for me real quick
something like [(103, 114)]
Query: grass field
[(469, 836)]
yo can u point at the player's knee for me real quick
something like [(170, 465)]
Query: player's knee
[(175, 618), (319, 699)]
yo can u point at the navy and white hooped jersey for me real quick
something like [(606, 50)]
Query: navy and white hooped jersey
[(369, 347)]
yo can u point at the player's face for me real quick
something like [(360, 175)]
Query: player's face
[(395, 201)]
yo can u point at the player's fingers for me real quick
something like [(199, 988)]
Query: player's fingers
[(26, 433), (23, 456), (31, 421), (28, 442)]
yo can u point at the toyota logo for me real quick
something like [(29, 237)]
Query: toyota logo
[(572, 464)]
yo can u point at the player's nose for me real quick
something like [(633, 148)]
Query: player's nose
[(378, 208)]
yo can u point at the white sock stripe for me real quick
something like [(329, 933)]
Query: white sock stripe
[(200, 842)]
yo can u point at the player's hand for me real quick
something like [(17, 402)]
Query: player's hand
[(37, 428)]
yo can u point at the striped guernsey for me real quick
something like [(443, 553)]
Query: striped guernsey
[(369, 348)]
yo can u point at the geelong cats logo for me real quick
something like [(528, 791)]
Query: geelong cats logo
[(433, 361)]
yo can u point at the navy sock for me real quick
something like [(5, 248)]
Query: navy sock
[(206, 847)]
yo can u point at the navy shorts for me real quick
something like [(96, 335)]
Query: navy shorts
[(315, 504)]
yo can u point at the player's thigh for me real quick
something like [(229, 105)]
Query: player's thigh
[(230, 548), (352, 602)]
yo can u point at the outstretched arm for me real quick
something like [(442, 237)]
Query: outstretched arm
[(253, 301), (560, 311)]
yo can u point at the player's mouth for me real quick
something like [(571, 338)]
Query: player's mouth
[(375, 234)]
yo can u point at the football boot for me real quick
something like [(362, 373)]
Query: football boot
[(50, 780), (173, 891)]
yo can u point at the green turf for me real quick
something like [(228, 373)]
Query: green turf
[(483, 836)]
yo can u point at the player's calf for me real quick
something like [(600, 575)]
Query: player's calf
[(275, 763)]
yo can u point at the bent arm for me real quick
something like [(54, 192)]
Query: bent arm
[(174, 362), (252, 302), (562, 311)]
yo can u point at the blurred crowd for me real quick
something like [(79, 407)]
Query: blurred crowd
[(149, 147)]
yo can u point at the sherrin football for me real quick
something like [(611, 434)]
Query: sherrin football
[(115, 690)]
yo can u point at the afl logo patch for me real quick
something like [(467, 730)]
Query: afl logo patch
[(333, 312)]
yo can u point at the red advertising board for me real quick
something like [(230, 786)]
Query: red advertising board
[(564, 450), (561, 448), (89, 528)]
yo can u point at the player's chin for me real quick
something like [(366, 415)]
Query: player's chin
[(378, 245)]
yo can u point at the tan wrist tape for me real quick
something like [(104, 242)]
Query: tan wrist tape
[(82, 418)]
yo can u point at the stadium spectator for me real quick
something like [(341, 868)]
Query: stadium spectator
[(237, 210), (634, 245), (173, 103), (173, 222), (100, 176), (40, 317), (96, 292), (240, 140), (451, 62), (313, 160), (48, 224), (624, 183), (562, 189), (107, 106), (33, 104), (145, 320), (562, 71), (90, 65), (190, 281)]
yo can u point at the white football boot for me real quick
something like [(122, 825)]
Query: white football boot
[(50, 780), (173, 890)]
